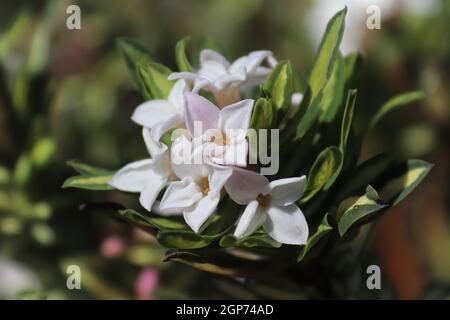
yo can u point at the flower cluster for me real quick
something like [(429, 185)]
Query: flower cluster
[(207, 157)]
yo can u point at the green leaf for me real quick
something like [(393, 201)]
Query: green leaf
[(180, 55), (324, 167), (89, 182), (279, 85), (323, 229), (347, 119), (137, 219), (159, 223), (153, 78), (91, 178), (397, 188), (345, 131), (309, 118), (333, 91), (257, 239), (322, 72), (86, 169), (149, 77), (396, 102), (352, 63), (362, 208), (262, 115), (181, 239), (328, 51)]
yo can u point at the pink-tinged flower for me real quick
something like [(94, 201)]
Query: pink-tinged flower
[(222, 131), (161, 115), (224, 79), (146, 284), (270, 205), (147, 176), (197, 194)]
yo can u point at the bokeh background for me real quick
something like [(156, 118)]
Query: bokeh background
[(65, 94)]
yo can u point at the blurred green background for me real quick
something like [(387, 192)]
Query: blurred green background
[(65, 94)]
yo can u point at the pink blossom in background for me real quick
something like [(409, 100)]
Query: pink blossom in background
[(146, 283), (112, 246)]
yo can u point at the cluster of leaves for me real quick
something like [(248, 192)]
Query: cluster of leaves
[(319, 138)]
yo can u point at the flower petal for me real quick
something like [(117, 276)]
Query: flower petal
[(151, 191), (232, 155), (197, 215), (208, 55), (255, 78), (200, 111), (236, 116), (154, 147), (287, 224), (218, 177), (180, 194), (166, 213), (255, 58), (176, 96), (286, 191), (162, 127), (187, 76), (150, 113), (134, 176), (250, 220), (244, 186)]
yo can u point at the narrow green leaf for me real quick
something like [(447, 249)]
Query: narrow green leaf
[(137, 219), (322, 72), (181, 239), (153, 222), (180, 55), (396, 102), (328, 51), (324, 167), (352, 62), (345, 131), (362, 208), (323, 229), (333, 91), (280, 85), (86, 169), (89, 182), (258, 239), (310, 117), (397, 188), (91, 178), (347, 119)]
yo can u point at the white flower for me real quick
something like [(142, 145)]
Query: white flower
[(197, 194), (147, 176), (223, 131), (270, 205), (161, 115), (226, 80)]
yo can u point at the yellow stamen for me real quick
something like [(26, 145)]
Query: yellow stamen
[(204, 185)]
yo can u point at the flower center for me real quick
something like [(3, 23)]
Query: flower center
[(219, 138), (263, 200), (204, 185)]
